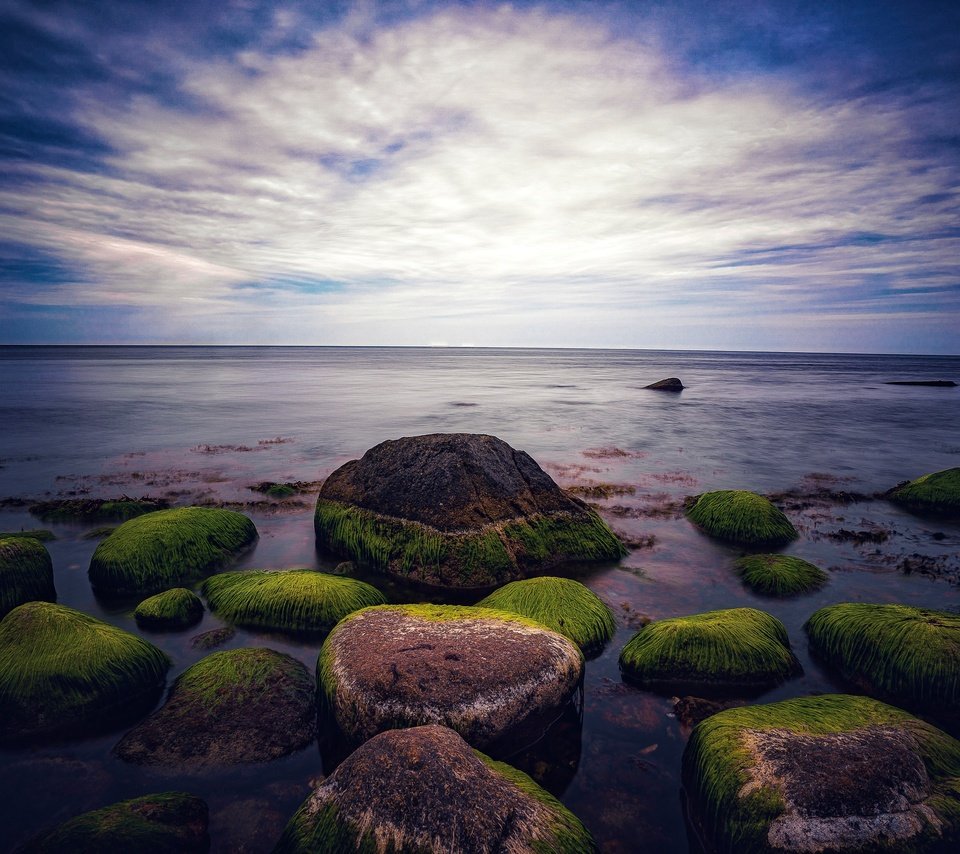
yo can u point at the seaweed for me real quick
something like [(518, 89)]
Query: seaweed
[(26, 573), (177, 608), (96, 509), (741, 517), (40, 534), (939, 491), (561, 604), (779, 575)]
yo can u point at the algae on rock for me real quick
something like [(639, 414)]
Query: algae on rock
[(26, 573), (741, 517), (779, 575), (177, 608), (938, 491)]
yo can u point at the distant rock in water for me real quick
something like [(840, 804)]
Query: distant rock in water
[(935, 383), (669, 384)]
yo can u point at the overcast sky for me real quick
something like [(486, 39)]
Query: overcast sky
[(679, 174)]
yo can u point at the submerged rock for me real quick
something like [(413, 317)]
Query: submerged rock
[(292, 600), (62, 671), (933, 383), (232, 707), (938, 491), (96, 509), (153, 824), (830, 773), (178, 608), (487, 674), (26, 573), (455, 510), (741, 517), (168, 548), (669, 384), (425, 790), (733, 648), (779, 575)]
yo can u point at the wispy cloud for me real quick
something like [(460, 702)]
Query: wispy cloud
[(498, 175)]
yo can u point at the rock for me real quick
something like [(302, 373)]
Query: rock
[(938, 491), (154, 824), (934, 383), (212, 638), (26, 573), (63, 672), (741, 517), (737, 648), (299, 600), (96, 509), (561, 604), (455, 510), (488, 674), (178, 608), (40, 534), (168, 548), (669, 384), (831, 773), (779, 575), (424, 789), (232, 707), (689, 711), (910, 655)]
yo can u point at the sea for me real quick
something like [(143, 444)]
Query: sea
[(824, 434)]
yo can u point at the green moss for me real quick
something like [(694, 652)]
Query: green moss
[(40, 534), (910, 654), (741, 517), (716, 762), (99, 533), (779, 575), (738, 647), (153, 824), (168, 548), (462, 559), (936, 491), (294, 600), (62, 670), (172, 609), (94, 509), (561, 604), (26, 573)]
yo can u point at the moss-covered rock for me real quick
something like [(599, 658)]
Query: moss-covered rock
[(911, 655), (26, 573), (779, 575), (300, 600), (561, 604), (487, 674), (95, 509), (423, 789), (232, 707), (178, 608), (168, 548), (40, 534), (938, 491), (62, 671), (741, 517), (733, 648), (830, 773), (166, 823), (455, 510)]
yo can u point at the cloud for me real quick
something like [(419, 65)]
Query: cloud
[(463, 174)]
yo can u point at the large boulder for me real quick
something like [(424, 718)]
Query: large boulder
[(833, 773), (166, 823), (490, 675), (232, 707), (168, 548), (424, 789), (26, 573), (178, 608), (938, 491), (736, 648), (455, 510), (62, 672), (779, 575), (297, 600), (909, 655), (743, 517)]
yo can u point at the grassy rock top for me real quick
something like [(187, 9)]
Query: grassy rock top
[(911, 654), (61, 670), (734, 648), (235, 706), (833, 772), (152, 824), (168, 548), (425, 790), (779, 575), (936, 491), (26, 573), (172, 609), (561, 604), (741, 517), (294, 600)]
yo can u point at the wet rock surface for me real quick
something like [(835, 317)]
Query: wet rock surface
[(669, 384)]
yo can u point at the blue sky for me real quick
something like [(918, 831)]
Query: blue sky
[(757, 176)]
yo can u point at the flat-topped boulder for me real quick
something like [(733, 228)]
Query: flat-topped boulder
[(832, 773), (177, 608), (62, 671), (487, 674), (938, 491), (456, 510), (779, 575), (26, 573), (669, 384), (423, 789), (232, 707)]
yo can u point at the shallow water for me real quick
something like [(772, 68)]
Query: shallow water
[(203, 424)]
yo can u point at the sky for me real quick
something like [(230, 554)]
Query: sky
[(677, 174)]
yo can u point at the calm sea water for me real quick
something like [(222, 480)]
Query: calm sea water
[(203, 424)]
